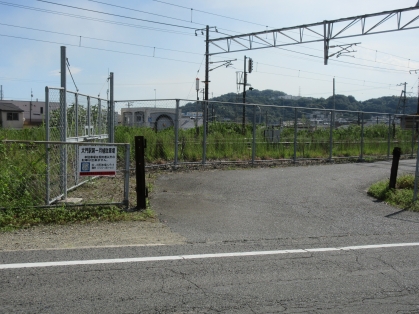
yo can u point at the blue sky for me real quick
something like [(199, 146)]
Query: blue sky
[(150, 59)]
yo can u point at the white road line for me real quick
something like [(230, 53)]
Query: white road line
[(202, 256)]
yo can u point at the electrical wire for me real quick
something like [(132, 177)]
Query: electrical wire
[(140, 11), (308, 35), (159, 15), (230, 18), (194, 29), (196, 75), (106, 82), (339, 61), (98, 39), (23, 80), (268, 46), (117, 15), (360, 46), (197, 53), (317, 73), (95, 19), (328, 81), (100, 49)]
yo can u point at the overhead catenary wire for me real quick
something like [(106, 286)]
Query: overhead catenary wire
[(119, 42), (196, 75), (96, 19), (141, 11), (249, 22), (114, 51), (98, 39), (214, 14), (291, 51), (100, 49), (277, 47), (117, 15)]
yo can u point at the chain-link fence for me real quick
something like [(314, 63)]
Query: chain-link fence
[(216, 132), (75, 117), (186, 132), (32, 173)]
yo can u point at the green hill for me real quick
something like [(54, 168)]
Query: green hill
[(226, 112)]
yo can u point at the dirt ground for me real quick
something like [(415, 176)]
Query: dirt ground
[(97, 234)]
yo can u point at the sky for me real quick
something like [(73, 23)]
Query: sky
[(152, 49)]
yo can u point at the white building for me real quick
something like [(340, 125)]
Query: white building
[(158, 118)]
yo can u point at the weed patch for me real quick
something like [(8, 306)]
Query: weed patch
[(401, 196), (11, 219)]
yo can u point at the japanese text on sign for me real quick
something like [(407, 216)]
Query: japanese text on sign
[(97, 160)]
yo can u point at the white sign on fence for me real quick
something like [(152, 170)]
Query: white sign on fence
[(97, 160)]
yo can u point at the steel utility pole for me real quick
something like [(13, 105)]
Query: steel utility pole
[(334, 103), (30, 109), (206, 82), (63, 118), (416, 71), (244, 96), (197, 105), (404, 97), (1, 92)]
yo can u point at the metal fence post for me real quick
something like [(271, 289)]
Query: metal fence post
[(111, 110), (389, 136), (295, 133), (47, 170), (413, 137), (63, 147), (254, 135), (176, 131), (99, 117), (204, 142), (415, 190), (77, 115), (89, 115), (332, 122), (126, 173), (361, 158)]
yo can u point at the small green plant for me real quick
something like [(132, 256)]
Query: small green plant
[(11, 219), (401, 196)]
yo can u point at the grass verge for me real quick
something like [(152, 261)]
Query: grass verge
[(12, 219), (401, 196)]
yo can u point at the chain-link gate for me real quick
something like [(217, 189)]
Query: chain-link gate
[(32, 173)]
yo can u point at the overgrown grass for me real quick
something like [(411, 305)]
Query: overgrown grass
[(226, 141), (401, 197), (23, 170), (11, 219)]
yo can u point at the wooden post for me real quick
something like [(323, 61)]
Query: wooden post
[(140, 145), (394, 167)]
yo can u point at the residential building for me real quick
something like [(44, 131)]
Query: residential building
[(11, 116)]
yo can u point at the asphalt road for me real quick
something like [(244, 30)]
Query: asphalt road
[(273, 240)]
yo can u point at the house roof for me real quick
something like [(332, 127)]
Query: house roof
[(9, 107)]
